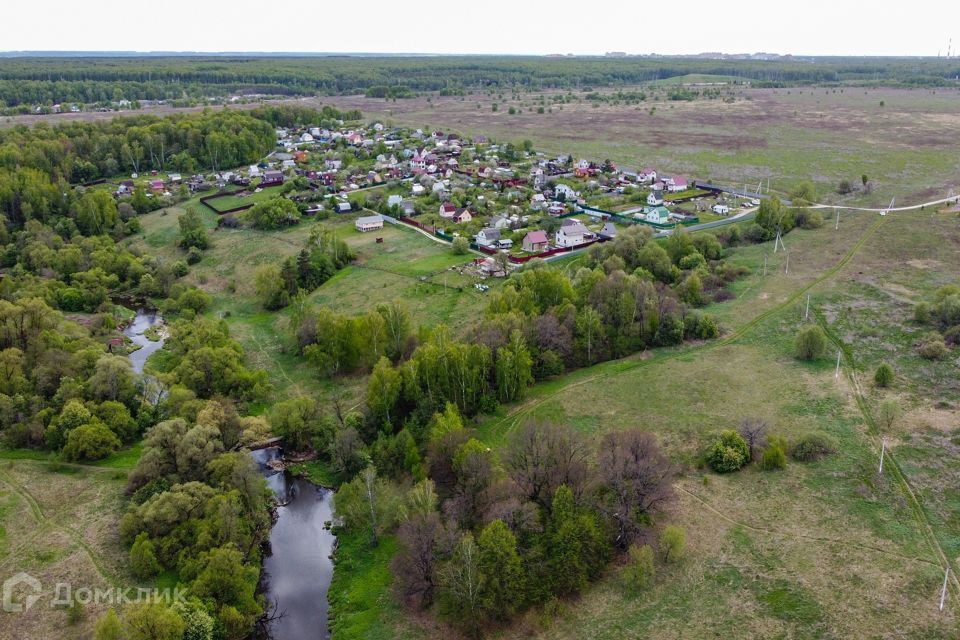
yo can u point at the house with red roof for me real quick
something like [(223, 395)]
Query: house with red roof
[(535, 241)]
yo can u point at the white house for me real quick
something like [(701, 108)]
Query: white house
[(676, 183), (647, 175), (573, 233), (655, 198), (488, 237), (720, 209), (306, 137), (499, 222), (538, 202), (439, 187), (417, 189), (566, 191), (658, 215), (344, 207), (369, 223), (394, 200)]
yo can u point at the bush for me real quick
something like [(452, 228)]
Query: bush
[(811, 343), (952, 336), (932, 347), (143, 558), (729, 453), (921, 313), (460, 246), (773, 458), (194, 255), (813, 446), (883, 377), (179, 268), (673, 540), (640, 572)]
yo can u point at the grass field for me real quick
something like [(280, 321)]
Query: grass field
[(902, 139), (407, 266), (58, 522)]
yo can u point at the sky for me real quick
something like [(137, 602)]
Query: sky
[(812, 27)]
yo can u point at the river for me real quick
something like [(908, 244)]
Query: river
[(297, 573), (144, 319)]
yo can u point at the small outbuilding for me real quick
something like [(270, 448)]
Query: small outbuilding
[(369, 223)]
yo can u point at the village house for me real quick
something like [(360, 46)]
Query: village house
[(535, 241), (560, 189), (556, 209), (394, 200), (500, 222), (720, 209), (462, 215), (609, 231), (369, 223), (676, 184), (657, 215), (573, 233), (655, 198), (271, 178), (538, 202), (488, 237), (448, 210)]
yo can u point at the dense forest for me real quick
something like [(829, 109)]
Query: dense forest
[(46, 81)]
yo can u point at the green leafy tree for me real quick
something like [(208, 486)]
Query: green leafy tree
[(143, 558), (108, 627), (273, 214), (810, 343), (90, 442), (640, 571), (296, 421), (152, 622), (883, 377), (268, 283), (461, 596), (192, 231), (673, 539), (383, 391), (502, 592)]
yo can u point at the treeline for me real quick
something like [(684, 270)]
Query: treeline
[(85, 151), (99, 79)]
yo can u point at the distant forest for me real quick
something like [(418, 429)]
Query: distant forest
[(35, 81)]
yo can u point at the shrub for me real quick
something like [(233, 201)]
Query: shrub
[(673, 540), (952, 336), (883, 376), (932, 347), (460, 246), (729, 453), (812, 446), (921, 313), (143, 558), (811, 343), (773, 458), (640, 572), (194, 255), (179, 268)]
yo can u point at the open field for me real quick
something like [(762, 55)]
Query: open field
[(902, 139), (819, 550), (407, 266), (58, 522)]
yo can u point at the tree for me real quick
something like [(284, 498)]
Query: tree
[(108, 627), (273, 214), (152, 622), (90, 442), (96, 213), (514, 368), (754, 432), (192, 231), (347, 452), (398, 328), (640, 571), (635, 481), (883, 377), (143, 558), (295, 421), (811, 343), (729, 453), (383, 391), (196, 449), (268, 283), (460, 246), (502, 592), (112, 379), (888, 414), (543, 456), (461, 587), (414, 567), (589, 332), (673, 539), (226, 580), (575, 549)]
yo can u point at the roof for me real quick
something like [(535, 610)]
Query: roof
[(370, 220), (448, 206), (608, 230), (490, 233), (536, 237), (571, 223)]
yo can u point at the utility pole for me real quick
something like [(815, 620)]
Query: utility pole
[(838, 219), (786, 267), (883, 450), (943, 591), (836, 376), (764, 264), (806, 314)]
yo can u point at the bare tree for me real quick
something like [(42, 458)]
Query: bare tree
[(542, 456), (414, 567), (754, 431), (634, 480)]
